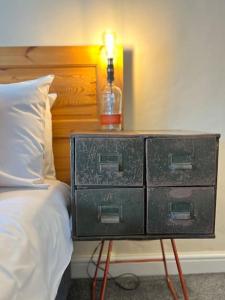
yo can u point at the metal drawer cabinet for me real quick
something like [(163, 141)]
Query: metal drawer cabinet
[(181, 210), (109, 161), (105, 212), (143, 185), (181, 161)]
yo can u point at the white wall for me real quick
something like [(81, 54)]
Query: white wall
[(174, 68)]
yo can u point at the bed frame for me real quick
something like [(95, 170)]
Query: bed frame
[(80, 75)]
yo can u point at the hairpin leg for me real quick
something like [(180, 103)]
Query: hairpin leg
[(107, 263), (163, 259), (182, 281), (94, 282), (168, 280)]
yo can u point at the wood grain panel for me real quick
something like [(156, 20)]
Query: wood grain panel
[(74, 85), (63, 128), (62, 157), (80, 75), (49, 56)]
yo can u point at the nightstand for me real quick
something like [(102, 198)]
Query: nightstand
[(143, 185)]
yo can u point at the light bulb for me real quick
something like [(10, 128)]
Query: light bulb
[(109, 42)]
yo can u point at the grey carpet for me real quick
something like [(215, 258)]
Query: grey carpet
[(201, 287)]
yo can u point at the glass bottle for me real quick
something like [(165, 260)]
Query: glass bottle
[(111, 103)]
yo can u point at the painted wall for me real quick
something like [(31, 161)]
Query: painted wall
[(174, 68)]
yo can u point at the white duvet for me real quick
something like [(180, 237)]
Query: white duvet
[(35, 242)]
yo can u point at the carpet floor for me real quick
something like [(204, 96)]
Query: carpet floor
[(200, 287)]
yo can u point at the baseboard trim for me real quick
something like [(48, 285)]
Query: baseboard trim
[(192, 263)]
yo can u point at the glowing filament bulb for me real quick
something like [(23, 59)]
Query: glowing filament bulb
[(109, 42)]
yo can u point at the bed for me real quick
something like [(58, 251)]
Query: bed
[(36, 222), (35, 231)]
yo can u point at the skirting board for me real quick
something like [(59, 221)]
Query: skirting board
[(192, 263)]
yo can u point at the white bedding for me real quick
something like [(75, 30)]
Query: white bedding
[(35, 241)]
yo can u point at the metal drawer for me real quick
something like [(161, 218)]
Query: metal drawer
[(181, 161), (176, 210), (109, 161), (105, 212)]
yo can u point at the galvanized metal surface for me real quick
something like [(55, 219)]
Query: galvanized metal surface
[(180, 171), (181, 161), (144, 133), (109, 161), (180, 210), (118, 211)]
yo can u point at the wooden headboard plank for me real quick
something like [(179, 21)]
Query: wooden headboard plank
[(63, 128), (49, 55), (80, 75)]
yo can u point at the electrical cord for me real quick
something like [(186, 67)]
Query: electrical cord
[(130, 286)]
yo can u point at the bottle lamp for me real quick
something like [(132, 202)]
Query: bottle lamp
[(111, 98)]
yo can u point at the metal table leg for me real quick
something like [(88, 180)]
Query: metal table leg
[(181, 276), (102, 293), (94, 282), (168, 279), (163, 259)]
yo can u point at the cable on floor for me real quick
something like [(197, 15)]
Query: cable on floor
[(133, 283)]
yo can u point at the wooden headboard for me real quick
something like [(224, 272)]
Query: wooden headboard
[(80, 74)]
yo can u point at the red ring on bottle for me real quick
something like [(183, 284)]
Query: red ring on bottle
[(110, 119)]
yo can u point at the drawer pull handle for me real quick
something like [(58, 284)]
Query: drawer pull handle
[(181, 211), (110, 162), (180, 162), (109, 214)]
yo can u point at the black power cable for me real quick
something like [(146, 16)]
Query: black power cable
[(133, 283)]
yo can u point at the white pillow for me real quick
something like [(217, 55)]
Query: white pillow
[(22, 121), (49, 167)]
